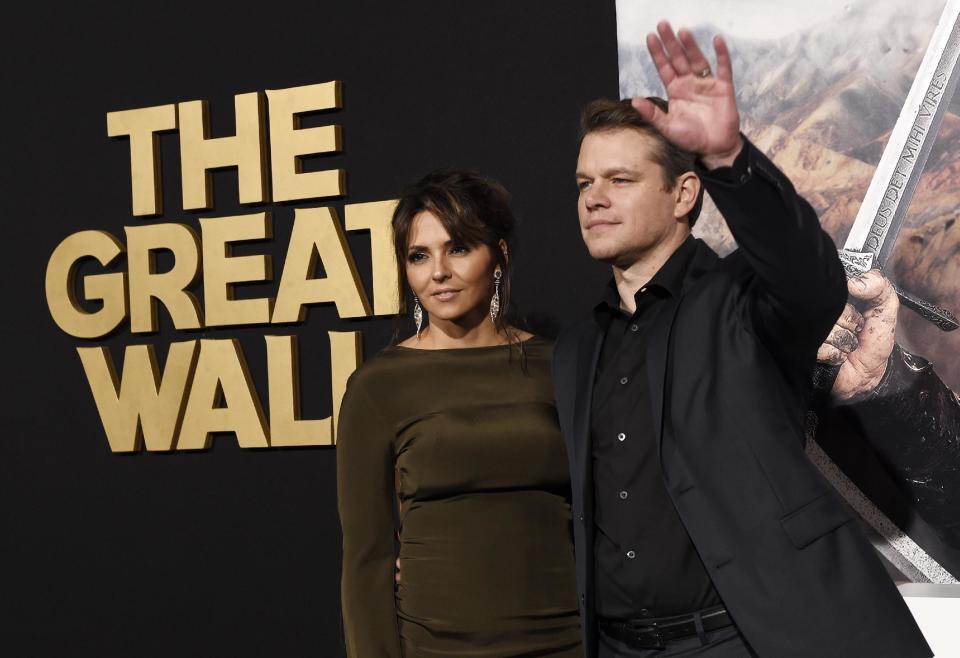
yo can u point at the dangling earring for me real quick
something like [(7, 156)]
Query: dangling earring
[(417, 315), (495, 301)]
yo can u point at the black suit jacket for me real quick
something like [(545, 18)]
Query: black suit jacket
[(729, 363)]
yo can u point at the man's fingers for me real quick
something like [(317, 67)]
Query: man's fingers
[(649, 111), (724, 66), (850, 319), (843, 339), (698, 61), (872, 287), (664, 68), (847, 340), (678, 58), (838, 345), (830, 354)]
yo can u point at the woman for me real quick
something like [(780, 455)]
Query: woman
[(454, 432)]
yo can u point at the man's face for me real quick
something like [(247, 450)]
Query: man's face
[(625, 209)]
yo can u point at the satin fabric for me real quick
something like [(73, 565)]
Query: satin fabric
[(469, 440)]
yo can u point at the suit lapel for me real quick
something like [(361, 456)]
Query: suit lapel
[(658, 345), (588, 355), (657, 356)]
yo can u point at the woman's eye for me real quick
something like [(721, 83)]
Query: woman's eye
[(459, 249), (416, 257)]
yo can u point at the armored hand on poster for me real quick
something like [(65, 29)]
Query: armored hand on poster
[(855, 102)]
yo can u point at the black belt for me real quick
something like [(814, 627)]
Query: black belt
[(655, 633)]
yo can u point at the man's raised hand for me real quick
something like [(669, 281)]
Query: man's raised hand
[(702, 117)]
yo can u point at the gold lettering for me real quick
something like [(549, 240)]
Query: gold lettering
[(147, 286), (142, 406), (110, 288), (199, 153), (221, 375), (288, 142), (376, 217), (317, 232), (221, 270), (283, 372), (143, 126)]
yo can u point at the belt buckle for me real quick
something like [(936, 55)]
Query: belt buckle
[(653, 630)]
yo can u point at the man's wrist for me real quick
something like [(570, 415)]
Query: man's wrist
[(879, 382), (725, 159), (732, 168)]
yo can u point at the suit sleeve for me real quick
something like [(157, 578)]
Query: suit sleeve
[(563, 392), (365, 500), (800, 286), (912, 420)]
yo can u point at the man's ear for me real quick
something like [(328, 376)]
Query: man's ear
[(686, 191)]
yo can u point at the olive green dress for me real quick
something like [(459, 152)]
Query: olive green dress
[(466, 442)]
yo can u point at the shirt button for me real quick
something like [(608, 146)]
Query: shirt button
[(631, 554), (623, 495), (643, 289), (621, 436), (624, 380), (634, 327)]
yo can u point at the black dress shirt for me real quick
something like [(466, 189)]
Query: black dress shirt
[(646, 564)]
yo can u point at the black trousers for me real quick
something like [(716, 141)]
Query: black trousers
[(721, 643)]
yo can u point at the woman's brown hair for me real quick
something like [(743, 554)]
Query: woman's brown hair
[(474, 210)]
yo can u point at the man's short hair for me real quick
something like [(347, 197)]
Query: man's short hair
[(606, 114)]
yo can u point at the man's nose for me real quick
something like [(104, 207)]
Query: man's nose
[(596, 197)]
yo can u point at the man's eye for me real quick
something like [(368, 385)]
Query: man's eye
[(619, 181), (583, 185)]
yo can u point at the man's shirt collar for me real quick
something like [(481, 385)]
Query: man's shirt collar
[(667, 282)]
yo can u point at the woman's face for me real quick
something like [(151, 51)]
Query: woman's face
[(453, 282)]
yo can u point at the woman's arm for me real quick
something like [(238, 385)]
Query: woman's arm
[(366, 499)]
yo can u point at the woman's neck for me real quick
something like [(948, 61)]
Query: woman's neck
[(447, 334)]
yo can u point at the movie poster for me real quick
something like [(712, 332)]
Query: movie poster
[(820, 85)]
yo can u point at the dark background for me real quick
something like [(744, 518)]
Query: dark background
[(231, 552)]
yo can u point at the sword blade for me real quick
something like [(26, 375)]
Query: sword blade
[(895, 180)]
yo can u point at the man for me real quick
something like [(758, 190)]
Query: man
[(895, 403), (700, 526)]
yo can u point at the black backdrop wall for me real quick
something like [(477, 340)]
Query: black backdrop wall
[(231, 552)]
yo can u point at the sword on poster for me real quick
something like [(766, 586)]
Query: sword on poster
[(870, 244), (874, 232)]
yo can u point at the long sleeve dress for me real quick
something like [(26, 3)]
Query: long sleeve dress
[(458, 454)]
